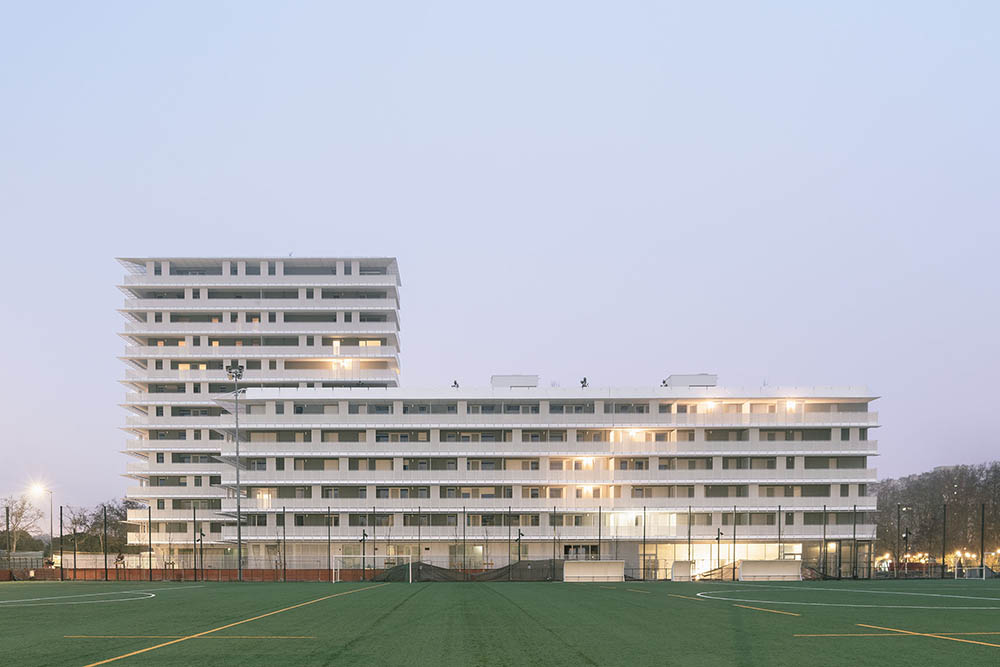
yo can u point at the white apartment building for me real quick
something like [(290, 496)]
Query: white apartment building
[(333, 451), (302, 322)]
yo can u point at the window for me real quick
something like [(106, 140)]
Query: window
[(160, 504), (845, 434), (157, 269), (863, 434), (215, 480), (271, 269), (197, 480), (159, 457), (790, 462), (862, 489), (845, 490), (279, 408), (279, 464), (789, 518)]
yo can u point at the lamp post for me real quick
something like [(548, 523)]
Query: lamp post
[(39, 489), (235, 373)]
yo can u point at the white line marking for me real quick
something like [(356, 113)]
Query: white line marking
[(146, 594), (705, 595)]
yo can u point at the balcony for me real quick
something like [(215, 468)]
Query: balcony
[(477, 534), (175, 492), (250, 377), (547, 477), (262, 281), (595, 421), (259, 352), (543, 505), (142, 516), (515, 448), (297, 304), (266, 329), (149, 468)]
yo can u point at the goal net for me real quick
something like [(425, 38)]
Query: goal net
[(594, 570), (770, 570), (373, 568), (975, 572)]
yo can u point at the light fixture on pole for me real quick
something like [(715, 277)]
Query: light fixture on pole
[(235, 373), (38, 489)]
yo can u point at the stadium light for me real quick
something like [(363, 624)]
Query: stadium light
[(38, 489)]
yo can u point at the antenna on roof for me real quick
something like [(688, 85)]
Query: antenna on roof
[(664, 384), (454, 384), (583, 383)]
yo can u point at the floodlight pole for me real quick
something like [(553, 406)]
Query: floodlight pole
[(982, 539), (364, 536), (284, 545), (236, 374), (824, 540), (734, 542), (689, 534), (778, 518), (642, 564), (149, 533), (194, 538), (854, 547), (944, 535), (61, 578), (508, 544), (899, 518), (600, 525), (329, 546), (105, 543)]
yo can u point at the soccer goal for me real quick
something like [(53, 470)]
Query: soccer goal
[(682, 570), (975, 572), (372, 568), (594, 570), (770, 570)]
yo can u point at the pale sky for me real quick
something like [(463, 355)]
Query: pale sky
[(799, 192)]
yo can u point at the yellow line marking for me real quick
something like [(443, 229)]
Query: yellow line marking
[(636, 590), (230, 625), (178, 636), (895, 634), (926, 634), (773, 611), (686, 597)]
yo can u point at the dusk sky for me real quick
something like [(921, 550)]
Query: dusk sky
[(796, 193)]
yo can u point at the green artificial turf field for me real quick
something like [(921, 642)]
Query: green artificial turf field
[(809, 623)]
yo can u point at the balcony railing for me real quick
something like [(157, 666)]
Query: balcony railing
[(259, 352), (547, 477), (250, 377), (521, 448), (478, 534), (262, 281), (542, 505), (261, 304)]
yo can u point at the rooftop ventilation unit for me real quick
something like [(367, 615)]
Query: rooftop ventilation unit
[(513, 381), (693, 380)]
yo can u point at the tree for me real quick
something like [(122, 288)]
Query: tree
[(24, 518)]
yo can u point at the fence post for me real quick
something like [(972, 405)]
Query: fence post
[(982, 539), (854, 545), (284, 545), (329, 546), (642, 559), (734, 542), (61, 578)]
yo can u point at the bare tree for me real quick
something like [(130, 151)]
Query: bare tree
[(24, 518)]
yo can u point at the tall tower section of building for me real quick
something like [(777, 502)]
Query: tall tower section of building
[(291, 323)]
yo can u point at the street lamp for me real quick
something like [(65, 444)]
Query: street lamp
[(38, 489), (235, 373)]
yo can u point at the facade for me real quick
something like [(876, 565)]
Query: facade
[(302, 322), (683, 471)]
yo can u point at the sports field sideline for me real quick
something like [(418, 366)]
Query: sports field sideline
[(809, 623)]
